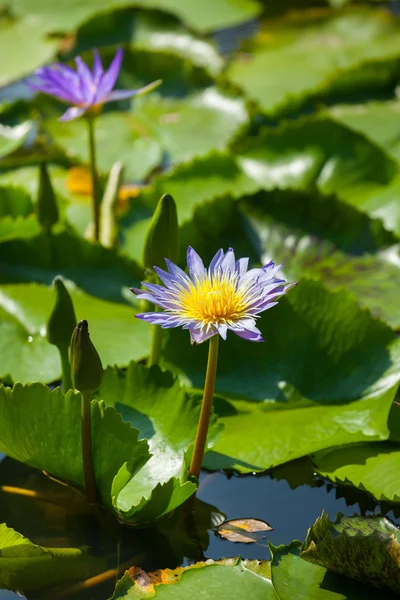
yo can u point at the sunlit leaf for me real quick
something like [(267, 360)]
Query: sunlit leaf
[(226, 579), (364, 548), (371, 467), (246, 531), (26, 353), (343, 52)]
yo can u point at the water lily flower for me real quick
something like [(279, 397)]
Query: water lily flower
[(84, 89), (207, 302)]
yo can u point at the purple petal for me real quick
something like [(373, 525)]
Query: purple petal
[(252, 335), (88, 89), (98, 70), (109, 78), (123, 94), (222, 330), (195, 265), (214, 264), (228, 262), (166, 320), (241, 265), (73, 113), (198, 336)]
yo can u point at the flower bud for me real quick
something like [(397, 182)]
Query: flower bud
[(86, 367), (162, 240), (62, 319), (46, 206)]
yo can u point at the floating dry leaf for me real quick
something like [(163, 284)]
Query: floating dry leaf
[(238, 530)]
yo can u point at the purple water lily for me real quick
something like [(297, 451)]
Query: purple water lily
[(86, 90), (210, 301)]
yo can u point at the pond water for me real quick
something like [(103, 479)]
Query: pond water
[(289, 500)]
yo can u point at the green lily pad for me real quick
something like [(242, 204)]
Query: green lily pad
[(99, 271), (27, 566), (337, 52), (229, 579), (18, 228), (211, 15), (118, 138), (364, 548), (11, 138), (42, 428), (26, 45), (166, 415), (14, 202), (295, 578), (316, 152), (371, 467), (323, 239), (378, 121), (26, 353)]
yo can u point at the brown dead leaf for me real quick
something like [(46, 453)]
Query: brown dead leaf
[(246, 531)]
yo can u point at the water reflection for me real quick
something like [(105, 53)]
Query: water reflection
[(289, 499)]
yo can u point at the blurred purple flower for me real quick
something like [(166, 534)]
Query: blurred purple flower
[(86, 90), (210, 301)]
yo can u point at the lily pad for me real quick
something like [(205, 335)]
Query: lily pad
[(26, 353), (27, 47), (371, 467), (364, 548), (378, 121), (26, 566), (14, 202), (18, 228), (211, 15), (295, 578), (42, 428), (11, 138), (337, 52), (166, 415), (99, 271), (229, 579)]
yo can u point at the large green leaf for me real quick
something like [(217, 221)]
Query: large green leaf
[(212, 14), (26, 354), (315, 151), (153, 402), (227, 579), (26, 46), (378, 121), (322, 237), (99, 271), (336, 53), (11, 138), (42, 428), (14, 202), (364, 548), (18, 228), (27, 566), (296, 579), (371, 467), (118, 138)]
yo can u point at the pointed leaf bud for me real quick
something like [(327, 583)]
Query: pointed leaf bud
[(62, 321), (86, 367), (46, 206), (162, 240)]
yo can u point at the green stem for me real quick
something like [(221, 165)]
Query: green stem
[(91, 491), (65, 369), (156, 344), (95, 179), (206, 407)]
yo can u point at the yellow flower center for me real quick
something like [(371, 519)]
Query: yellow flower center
[(214, 300)]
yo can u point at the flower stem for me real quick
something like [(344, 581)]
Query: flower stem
[(90, 483), (65, 368), (95, 180), (206, 407), (156, 344)]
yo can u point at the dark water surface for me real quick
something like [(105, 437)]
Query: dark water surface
[(289, 500)]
